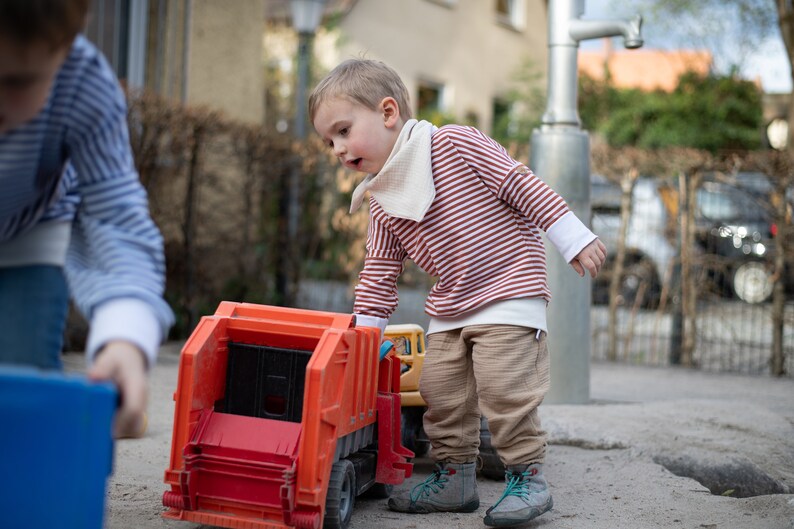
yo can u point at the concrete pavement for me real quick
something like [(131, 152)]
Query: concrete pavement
[(644, 454)]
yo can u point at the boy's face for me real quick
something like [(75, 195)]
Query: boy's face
[(26, 76), (360, 137)]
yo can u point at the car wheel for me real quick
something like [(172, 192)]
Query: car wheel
[(636, 275), (600, 289), (488, 462), (752, 282), (341, 497)]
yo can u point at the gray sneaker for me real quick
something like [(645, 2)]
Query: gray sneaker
[(451, 487), (526, 497)]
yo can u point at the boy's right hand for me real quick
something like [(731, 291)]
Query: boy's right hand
[(124, 364)]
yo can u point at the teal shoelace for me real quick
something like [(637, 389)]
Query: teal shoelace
[(433, 484), (517, 485)]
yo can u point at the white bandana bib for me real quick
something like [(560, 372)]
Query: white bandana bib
[(404, 187)]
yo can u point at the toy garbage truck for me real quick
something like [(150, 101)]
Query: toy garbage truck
[(283, 416)]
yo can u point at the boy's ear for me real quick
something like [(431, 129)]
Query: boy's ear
[(391, 111)]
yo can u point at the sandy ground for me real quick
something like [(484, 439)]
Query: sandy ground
[(607, 462)]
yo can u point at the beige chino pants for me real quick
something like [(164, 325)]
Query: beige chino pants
[(501, 370)]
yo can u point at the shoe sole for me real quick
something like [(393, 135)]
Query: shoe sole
[(510, 522), (417, 509)]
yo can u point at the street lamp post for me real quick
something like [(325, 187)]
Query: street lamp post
[(306, 16)]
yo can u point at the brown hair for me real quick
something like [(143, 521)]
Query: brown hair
[(362, 81), (53, 22)]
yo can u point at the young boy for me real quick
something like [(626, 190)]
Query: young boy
[(72, 207), (456, 203)]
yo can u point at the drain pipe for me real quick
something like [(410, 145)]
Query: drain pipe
[(561, 157)]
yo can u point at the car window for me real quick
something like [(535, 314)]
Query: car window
[(724, 204), (716, 206), (604, 195)]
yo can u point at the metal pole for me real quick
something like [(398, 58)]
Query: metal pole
[(294, 210), (561, 157), (304, 54)]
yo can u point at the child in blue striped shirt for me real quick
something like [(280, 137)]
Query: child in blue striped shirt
[(72, 209)]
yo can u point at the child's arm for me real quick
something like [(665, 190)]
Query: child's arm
[(362, 320), (376, 292), (115, 264), (516, 185)]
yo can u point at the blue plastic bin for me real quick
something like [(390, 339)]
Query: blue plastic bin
[(56, 449)]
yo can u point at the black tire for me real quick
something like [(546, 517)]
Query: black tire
[(600, 292), (341, 496), (600, 285), (413, 433), (488, 462), (379, 491), (636, 275)]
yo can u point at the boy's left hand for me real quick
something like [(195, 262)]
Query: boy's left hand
[(123, 364), (590, 259)]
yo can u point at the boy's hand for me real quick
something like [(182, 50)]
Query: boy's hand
[(591, 258), (124, 364)]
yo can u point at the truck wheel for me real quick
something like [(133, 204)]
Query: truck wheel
[(341, 496), (488, 462)]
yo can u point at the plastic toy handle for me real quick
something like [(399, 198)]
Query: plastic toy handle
[(385, 347)]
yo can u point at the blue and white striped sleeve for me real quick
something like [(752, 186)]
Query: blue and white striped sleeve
[(115, 265)]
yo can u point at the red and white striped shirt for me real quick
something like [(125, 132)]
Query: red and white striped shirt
[(481, 236)]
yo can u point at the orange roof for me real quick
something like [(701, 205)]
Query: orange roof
[(644, 69)]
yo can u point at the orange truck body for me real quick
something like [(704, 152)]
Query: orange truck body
[(268, 399)]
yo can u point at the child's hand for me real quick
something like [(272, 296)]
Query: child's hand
[(124, 364), (591, 258)]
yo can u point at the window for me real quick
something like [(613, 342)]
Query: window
[(118, 29), (107, 31), (500, 122), (471, 118), (725, 204), (433, 103), (429, 97), (510, 13)]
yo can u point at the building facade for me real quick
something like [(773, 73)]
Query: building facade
[(198, 52), (459, 58), (455, 56)]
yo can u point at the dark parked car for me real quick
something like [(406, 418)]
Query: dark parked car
[(735, 227), (734, 232)]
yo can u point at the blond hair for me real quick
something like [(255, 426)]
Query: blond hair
[(363, 81)]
